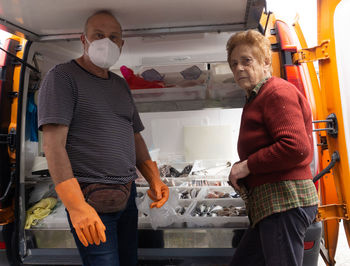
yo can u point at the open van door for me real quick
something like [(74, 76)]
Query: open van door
[(329, 98), (11, 50), (8, 126), (12, 53), (335, 96), (331, 108)]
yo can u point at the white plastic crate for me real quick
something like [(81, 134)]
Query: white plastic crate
[(169, 94)]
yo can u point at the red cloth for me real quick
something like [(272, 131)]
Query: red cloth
[(276, 134), (136, 82)]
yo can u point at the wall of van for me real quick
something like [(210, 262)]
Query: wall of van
[(166, 131), (148, 51)]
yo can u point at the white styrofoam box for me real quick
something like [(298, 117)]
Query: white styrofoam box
[(209, 142), (164, 130), (167, 134)]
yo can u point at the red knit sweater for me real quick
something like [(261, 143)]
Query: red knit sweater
[(276, 134)]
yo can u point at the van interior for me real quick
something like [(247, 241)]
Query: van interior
[(191, 120)]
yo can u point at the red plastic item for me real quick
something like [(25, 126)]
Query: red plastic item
[(309, 245), (3, 55), (135, 82)]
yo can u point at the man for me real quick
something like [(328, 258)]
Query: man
[(91, 131)]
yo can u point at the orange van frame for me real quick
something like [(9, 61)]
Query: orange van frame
[(324, 96), (331, 103), (7, 214)]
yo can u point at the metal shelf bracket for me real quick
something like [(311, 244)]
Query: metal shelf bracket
[(320, 52)]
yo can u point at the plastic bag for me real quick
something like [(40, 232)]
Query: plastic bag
[(136, 82), (42, 190), (191, 73), (57, 219), (160, 217), (31, 150), (152, 75)]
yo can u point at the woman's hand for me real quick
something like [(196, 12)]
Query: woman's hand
[(238, 171)]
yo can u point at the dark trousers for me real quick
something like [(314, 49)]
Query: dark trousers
[(277, 240), (120, 249)]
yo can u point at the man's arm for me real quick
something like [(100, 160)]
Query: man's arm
[(158, 191), (85, 220), (141, 149), (55, 137)]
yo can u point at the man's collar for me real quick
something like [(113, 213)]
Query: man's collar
[(256, 89)]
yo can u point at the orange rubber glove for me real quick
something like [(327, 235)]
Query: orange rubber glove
[(158, 192), (85, 220)]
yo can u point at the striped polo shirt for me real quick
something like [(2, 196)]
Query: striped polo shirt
[(102, 119)]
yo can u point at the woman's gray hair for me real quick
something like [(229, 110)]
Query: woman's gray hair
[(254, 39)]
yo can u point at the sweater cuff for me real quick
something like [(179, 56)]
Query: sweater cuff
[(253, 163)]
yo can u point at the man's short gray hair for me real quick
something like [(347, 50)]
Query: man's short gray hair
[(100, 12)]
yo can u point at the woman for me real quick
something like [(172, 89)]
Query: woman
[(275, 148)]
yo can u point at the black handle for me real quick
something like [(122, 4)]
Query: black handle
[(335, 158), (20, 60)]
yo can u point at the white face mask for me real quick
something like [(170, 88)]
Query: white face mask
[(103, 53)]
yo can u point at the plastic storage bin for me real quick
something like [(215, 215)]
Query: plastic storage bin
[(169, 94), (239, 221), (221, 83)]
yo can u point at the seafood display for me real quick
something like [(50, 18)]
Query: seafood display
[(180, 210), (200, 199), (185, 193), (139, 194), (170, 182), (205, 183), (212, 170), (190, 182), (217, 194), (170, 171), (206, 210)]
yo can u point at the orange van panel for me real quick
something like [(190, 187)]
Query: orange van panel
[(330, 95)]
